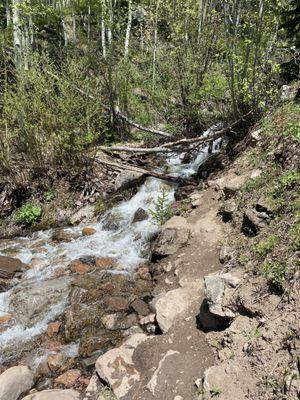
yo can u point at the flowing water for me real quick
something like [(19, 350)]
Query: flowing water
[(38, 297)]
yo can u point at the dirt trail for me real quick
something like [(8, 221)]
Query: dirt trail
[(169, 364)]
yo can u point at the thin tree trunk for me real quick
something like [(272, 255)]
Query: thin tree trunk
[(154, 49), (128, 30)]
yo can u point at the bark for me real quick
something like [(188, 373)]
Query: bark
[(128, 29)]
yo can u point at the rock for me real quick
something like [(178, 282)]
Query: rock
[(6, 320), (10, 266), (256, 173), (196, 199), (228, 209), (116, 303), (55, 394), (288, 93), (105, 263), (15, 381), (60, 235), (253, 222), (255, 135), (117, 368), (69, 378), (84, 214), (144, 273), (53, 328), (128, 179), (169, 306), (118, 321), (233, 186), (149, 319), (225, 254), (140, 307), (140, 215), (88, 231), (30, 302), (219, 382), (262, 205), (113, 221), (214, 292), (174, 234), (59, 362), (93, 389), (79, 267)]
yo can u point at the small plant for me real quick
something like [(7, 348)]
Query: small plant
[(49, 195), (100, 207), (274, 272), (266, 246), (214, 391), (29, 214), (163, 210), (289, 179)]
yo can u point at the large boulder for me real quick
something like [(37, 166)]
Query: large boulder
[(54, 395), (169, 306), (128, 179), (174, 234), (15, 381), (30, 302), (10, 266), (117, 368)]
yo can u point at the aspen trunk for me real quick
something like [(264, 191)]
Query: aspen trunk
[(128, 30)]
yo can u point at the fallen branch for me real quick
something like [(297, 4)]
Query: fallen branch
[(118, 113), (159, 175), (174, 146)]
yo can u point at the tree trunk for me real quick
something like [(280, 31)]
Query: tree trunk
[(128, 30)]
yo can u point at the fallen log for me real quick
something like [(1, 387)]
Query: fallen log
[(155, 174)]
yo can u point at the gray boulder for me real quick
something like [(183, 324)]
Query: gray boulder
[(10, 266), (128, 179), (15, 381), (55, 394)]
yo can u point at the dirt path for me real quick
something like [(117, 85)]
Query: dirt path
[(169, 364)]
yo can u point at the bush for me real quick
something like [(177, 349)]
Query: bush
[(266, 246), (274, 272), (29, 214)]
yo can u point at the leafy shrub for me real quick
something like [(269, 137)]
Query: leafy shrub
[(49, 195), (162, 209), (266, 246), (29, 214), (274, 272)]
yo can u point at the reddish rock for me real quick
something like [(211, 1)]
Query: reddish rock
[(105, 263), (69, 378), (88, 231), (79, 267), (59, 362), (54, 345), (61, 236), (60, 271), (6, 319), (53, 328), (117, 303), (143, 273)]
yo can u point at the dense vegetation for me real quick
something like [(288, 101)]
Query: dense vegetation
[(74, 71)]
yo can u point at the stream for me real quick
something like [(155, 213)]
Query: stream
[(41, 294)]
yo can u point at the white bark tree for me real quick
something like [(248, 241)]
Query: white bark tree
[(128, 29)]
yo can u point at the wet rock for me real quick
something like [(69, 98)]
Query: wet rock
[(113, 221), (117, 368), (253, 222), (140, 307), (94, 339), (60, 235), (84, 214), (6, 321), (10, 266), (69, 378), (79, 267), (140, 215), (105, 263), (169, 306), (88, 231), (30, 302), (55, 394), (15, 381), (53, 328), (174, 234), (128, 179)]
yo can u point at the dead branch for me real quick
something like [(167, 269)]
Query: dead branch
[(159, 175)]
